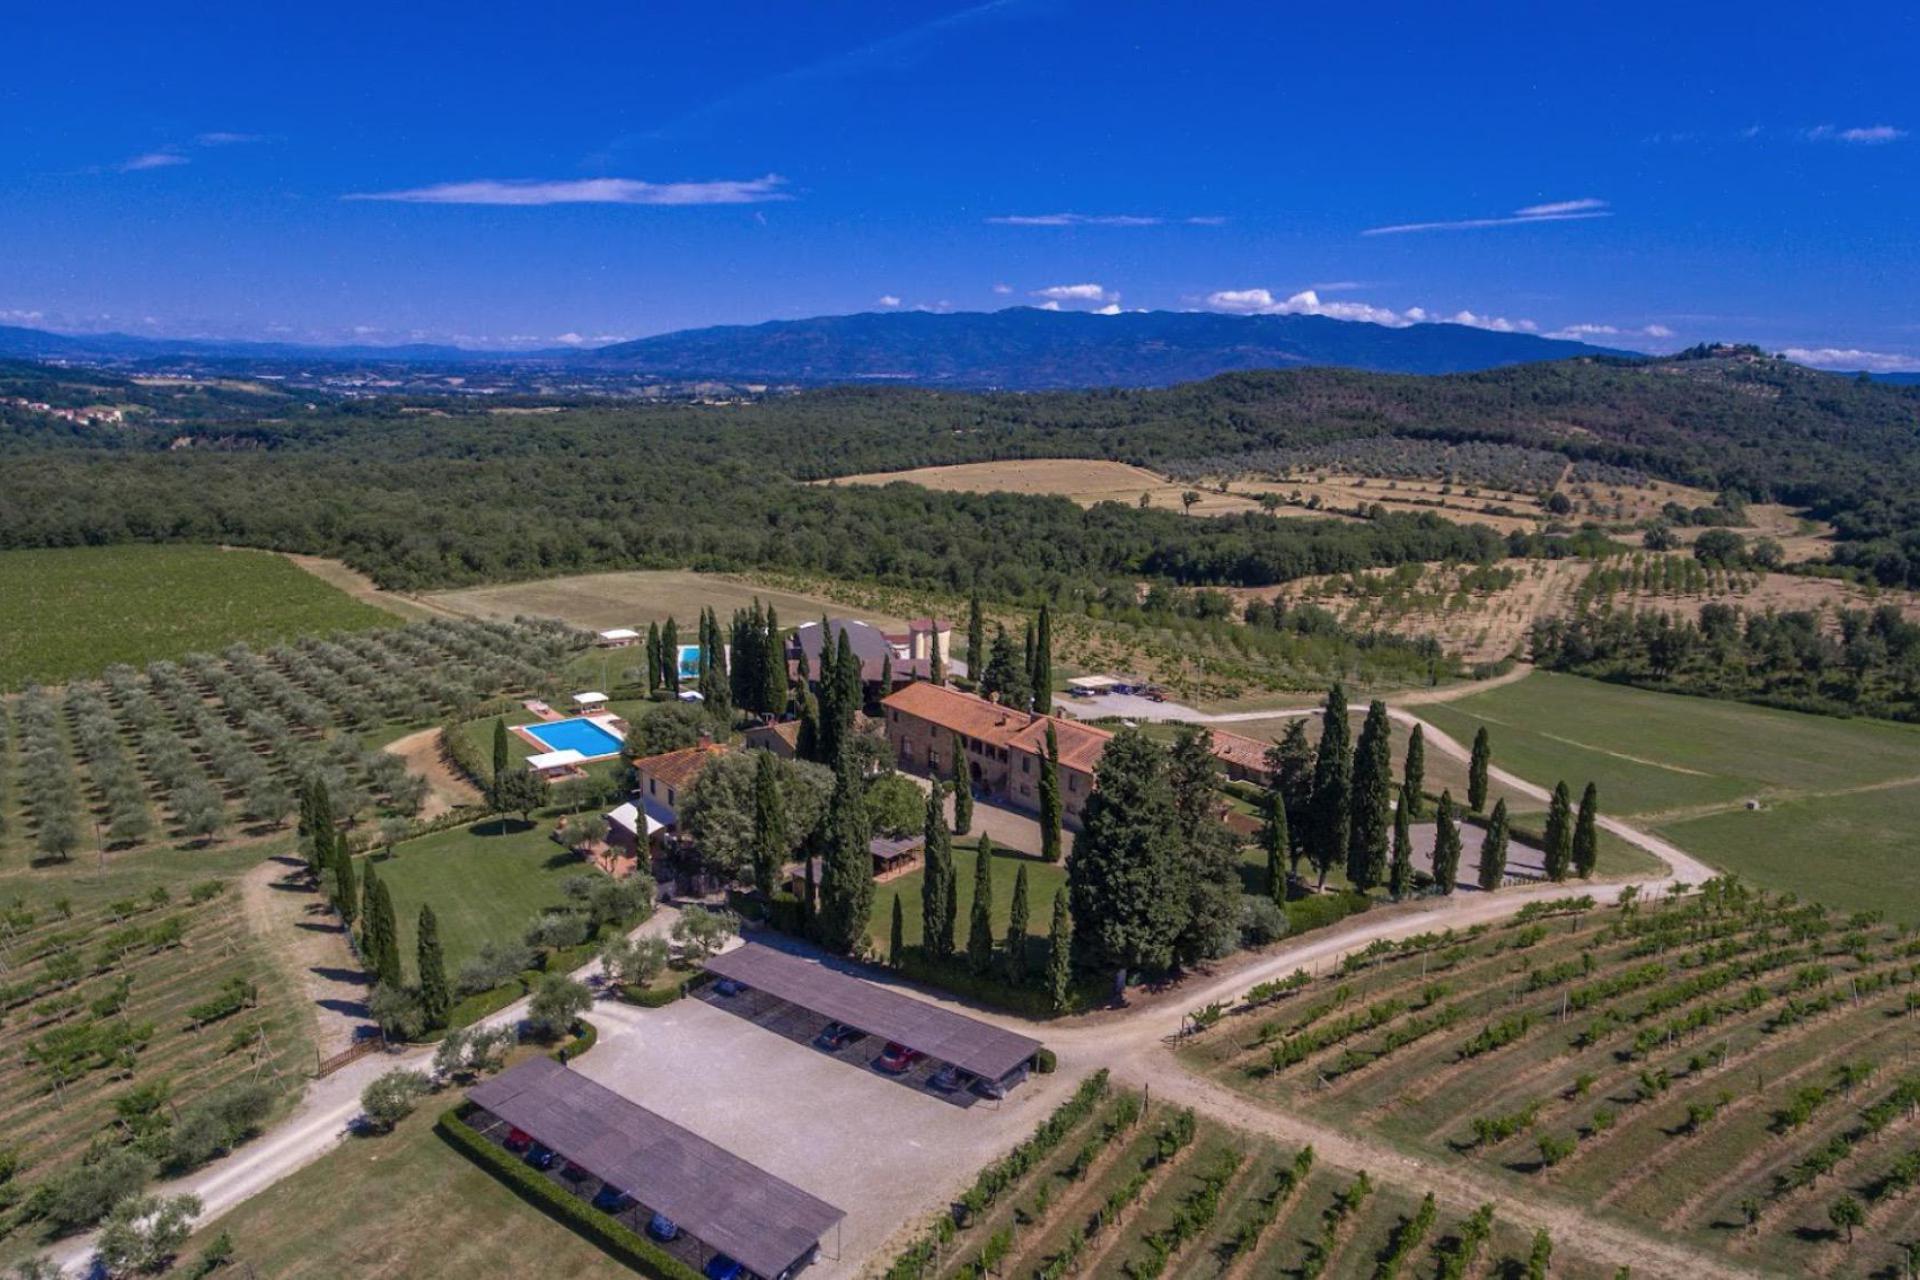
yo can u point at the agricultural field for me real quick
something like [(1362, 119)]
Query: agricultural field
[(597, 601), (132, 1001), (1083, 480), (1113, 1185), (1835, 797), (214, 748), (76, 611), (1725, 1068)]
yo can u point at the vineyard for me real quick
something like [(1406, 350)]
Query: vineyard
[(1731, 1067), (1110, 1185), (145, 1030), (213, 746)]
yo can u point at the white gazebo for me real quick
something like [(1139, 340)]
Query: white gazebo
[(617, 637), (556, 764), (591, 700)]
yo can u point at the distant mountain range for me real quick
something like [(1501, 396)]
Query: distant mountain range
[(1024, 348), (1021, 348)]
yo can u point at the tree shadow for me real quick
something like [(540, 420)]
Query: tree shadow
[(352, 977), (501, 825), (351, 1008)]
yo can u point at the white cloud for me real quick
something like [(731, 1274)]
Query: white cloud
[(889, 300), (1553, 211), (1077, 293), (1003, 288), (222, 138), (1111, 309), (531, 191), (1103, 220), (152, 160), (1860, 135), (1308, 302), (17, 316), (1049, 306), (1578, 331), (571, 339), (1852, 358)]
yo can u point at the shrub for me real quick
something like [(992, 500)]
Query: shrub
[(624, 1246), (80, 1196), (1317, 911), (1045, 1062), (142, 1234), (556, 1003), (392, 1098), (1262, 920)]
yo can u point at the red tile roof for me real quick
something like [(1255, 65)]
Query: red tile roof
[(678, 769), (1081, 745), (961, 712), (1237, 748)]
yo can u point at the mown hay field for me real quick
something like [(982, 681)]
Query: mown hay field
[(75, 611), (633, 599)]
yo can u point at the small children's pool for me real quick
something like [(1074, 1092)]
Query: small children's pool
[(578, 734)]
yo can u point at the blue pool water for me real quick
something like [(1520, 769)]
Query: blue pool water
[(584, 736)]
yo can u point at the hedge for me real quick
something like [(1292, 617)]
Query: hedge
[(1317, 911), (584, 1039), (604, 1232)]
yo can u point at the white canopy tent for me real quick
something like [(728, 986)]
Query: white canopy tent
[(591, 700), (547, 761)]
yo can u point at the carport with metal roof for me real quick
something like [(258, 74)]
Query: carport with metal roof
[(940, 1034), (765, 1223)]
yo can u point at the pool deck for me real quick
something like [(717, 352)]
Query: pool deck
[(607, 722)]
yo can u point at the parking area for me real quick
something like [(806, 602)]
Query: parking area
[(887, 1155), (862, 1052)]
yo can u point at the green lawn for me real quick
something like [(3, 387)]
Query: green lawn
[(1828, 828), (75, 611), (486, 881), (1043, 879), (404, 1204)]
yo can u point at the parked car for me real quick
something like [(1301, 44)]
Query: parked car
[(728, 987), (997, 1089), (721, 1267), (611, 1199), (949, 1078), (897, 1059), (518, 1140), (541, 1157), (837, 1035), (662, 1228)]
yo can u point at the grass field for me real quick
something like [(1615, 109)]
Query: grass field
[(1835, 819), (634, 599), (1678, 1067), (73, 612), (405, 1204), (1043, 879), (486, 881)]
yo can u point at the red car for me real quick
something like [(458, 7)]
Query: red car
[(896, 1059), (518, 1140)]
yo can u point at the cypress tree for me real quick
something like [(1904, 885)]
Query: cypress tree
[(1292, 764), (1332, 787), (1127, 899), (806, 743), (897, 939), (1493, 849), (370, 942), (976, 639), (846, 888), (1559, 843), (980, 927), (886, 675), (1042, 679), (1026, 665), (1446, 846), (936, 906), (389, 959), (962, 789), (777, 691), (1477, 770), (1004, 678), (1586, 838), (1414, 780), (1400, 869), (670, 656), (800, 664), (936, 666), (1372, 801), (436, 998), (653, 659), (1273, 839), (1017, 930), (502, 755), (346, 898), (1050, 799), (850, 695), (770, 840), (1060, 953)]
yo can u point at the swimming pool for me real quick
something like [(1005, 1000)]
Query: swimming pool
[(578, 734)]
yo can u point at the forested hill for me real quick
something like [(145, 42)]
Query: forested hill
[(1023, 348), (436, 493)]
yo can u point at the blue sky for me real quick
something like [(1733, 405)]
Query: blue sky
[(525, 176)]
